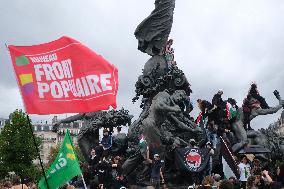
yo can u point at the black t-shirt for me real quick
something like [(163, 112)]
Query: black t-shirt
[(93, 161), (206, 104), (155, 169), (218, 101), (104, 172)]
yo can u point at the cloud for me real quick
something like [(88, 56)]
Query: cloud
[(218, 44)]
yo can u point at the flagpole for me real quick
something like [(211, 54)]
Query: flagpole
[(31, 129), (83, 181), (38, 153)]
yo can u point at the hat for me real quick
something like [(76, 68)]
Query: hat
[(192, 140), (250, 157), (156, 155), (208, 143), (220, 90)]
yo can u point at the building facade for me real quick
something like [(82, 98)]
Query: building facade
[(74, 129), (49, 140), (2, 123)]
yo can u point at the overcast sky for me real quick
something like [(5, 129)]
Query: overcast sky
[(218, 44)]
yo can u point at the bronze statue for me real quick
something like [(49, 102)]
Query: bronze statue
[(165, 121), (153, 32), (88, 137)]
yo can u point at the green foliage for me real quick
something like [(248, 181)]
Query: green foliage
[(54, 151), (3, 170), (52, 155), (17, 147), (79, 154)]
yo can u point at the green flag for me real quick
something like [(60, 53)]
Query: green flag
[(64, 168)]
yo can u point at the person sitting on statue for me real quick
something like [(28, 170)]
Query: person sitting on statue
[(169, 54), (203, 119), (253, 92), (249, 104), (106, 143), (204, 107), (218, 105), (218, 113), (247, 112)]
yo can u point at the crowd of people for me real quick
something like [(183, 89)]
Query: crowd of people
[(106, 171), (253, 178), (253, 175), (16, 183), (109, 176), (103, 169)]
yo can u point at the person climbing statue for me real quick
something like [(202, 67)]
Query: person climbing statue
[(218, 113), (253, 92), (169, 54), (252, 101), (217, 101)]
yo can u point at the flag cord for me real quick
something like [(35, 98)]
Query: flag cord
[(38, 153)]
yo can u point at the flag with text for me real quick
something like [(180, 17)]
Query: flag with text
[(64, 76)]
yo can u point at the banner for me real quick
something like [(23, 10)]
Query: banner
[(228, 157), (192, 159), (64, 76), (64, 167)]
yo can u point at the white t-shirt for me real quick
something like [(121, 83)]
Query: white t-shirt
[(244, 171)]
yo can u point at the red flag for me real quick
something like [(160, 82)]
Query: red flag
[(64, 76)]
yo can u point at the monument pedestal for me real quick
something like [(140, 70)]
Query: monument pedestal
[(254, 149)]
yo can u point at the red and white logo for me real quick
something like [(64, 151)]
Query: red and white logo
[(193, 159)]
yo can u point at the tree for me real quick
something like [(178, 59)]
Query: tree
[(52, 155), (17, 147)]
